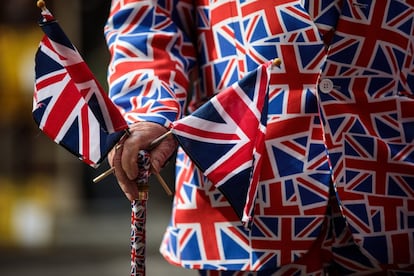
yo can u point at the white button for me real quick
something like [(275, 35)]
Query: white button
[(326, 85)]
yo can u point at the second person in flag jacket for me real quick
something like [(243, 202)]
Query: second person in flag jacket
[(336, 189)]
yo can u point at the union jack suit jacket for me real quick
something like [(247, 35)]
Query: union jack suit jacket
[(339, 161)]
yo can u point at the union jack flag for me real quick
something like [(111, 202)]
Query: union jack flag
[(225, 138), (69, 105)]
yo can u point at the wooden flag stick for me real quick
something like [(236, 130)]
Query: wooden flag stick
[(157, 175), (158, 140), (103, 175)]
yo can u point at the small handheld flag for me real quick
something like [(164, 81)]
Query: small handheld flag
[(225, 138), (71, 108), (69, 105)]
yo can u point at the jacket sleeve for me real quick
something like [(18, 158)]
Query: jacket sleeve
[(151, 58)]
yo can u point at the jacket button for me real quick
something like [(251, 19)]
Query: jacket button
[(326, 85)]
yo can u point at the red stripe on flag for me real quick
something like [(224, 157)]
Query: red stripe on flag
[(61, 110), (80, 72), (49, 81)]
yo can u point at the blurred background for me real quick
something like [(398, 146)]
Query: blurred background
[(53, 218)]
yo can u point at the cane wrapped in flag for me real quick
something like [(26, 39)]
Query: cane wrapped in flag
[(138, 216)]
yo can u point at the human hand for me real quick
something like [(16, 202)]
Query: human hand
[(125, 155)]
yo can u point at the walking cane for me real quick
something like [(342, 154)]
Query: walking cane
[(139, 206), (138, 216)]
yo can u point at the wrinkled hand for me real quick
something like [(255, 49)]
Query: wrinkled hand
[(123, 158)]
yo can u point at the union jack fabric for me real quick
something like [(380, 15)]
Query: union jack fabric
[(139, 217), (336, 179), (225, 138), (69, 105)]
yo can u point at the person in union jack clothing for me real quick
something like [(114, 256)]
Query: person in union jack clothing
[(336, 187)]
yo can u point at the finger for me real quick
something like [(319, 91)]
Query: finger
[(129, 187), (162, 153), (129, 158), (117, 147)]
